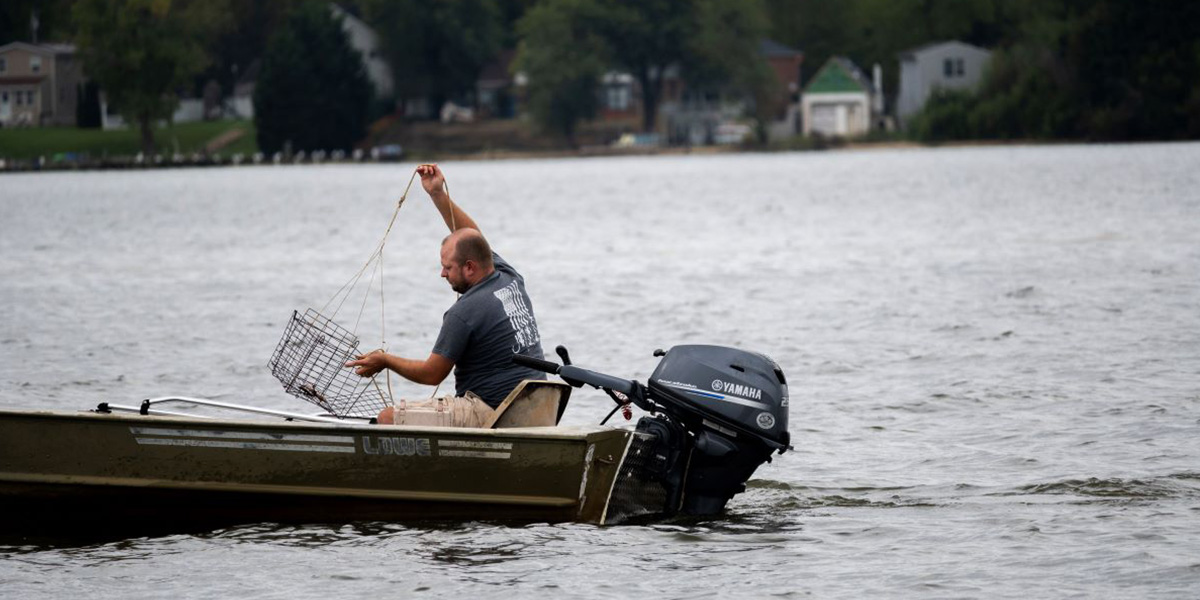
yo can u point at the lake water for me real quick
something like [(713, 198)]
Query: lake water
[(994, 359)]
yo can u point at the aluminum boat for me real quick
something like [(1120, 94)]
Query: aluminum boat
[(714, 415)]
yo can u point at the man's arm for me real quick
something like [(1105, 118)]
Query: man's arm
[(435, 185), (430, 371)]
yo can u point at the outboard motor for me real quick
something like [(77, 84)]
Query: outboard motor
[(717, 413), (735, 404)]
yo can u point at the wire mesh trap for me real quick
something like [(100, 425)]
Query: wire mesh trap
[(309, 362)]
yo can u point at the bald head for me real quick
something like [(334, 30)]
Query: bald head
[(470, 245), (466, 259)]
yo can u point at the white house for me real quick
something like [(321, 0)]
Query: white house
[(838, 101), (946, 65)]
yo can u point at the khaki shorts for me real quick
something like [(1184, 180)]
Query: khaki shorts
[(442, 411)]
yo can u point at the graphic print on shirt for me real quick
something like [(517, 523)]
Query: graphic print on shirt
[(519, 316)]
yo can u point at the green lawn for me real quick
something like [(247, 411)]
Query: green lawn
[(28, 143)]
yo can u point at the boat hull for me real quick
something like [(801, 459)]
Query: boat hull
[(71, 470)]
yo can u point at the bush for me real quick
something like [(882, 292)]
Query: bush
[(947, 116)]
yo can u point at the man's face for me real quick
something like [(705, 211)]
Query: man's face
[(453, 271)]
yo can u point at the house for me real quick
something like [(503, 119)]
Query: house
[(839, 101), (703, 116), (945, 65), (785, 63), (39, 84)]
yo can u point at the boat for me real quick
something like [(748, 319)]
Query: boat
[(714, 414)]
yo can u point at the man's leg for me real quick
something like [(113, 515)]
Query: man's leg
[(454, 411)]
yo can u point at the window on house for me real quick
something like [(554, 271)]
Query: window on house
[(617, 98), (958, 64), (29, 98), (948, 67), (20, 97), (3, 65), (35, 64), (3, 97)]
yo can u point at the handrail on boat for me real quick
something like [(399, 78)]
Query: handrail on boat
[(105, 407)]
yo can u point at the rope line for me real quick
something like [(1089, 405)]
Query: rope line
[(375, 263), (376, 255), (375, 260), (453, 228)]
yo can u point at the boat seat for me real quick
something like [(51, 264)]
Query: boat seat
[(532, 403)]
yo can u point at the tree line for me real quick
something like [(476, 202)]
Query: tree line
[(1082, 69)]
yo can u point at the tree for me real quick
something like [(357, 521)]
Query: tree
[(1103, 69), (254, 22), (646, 38), (141, 52), (564, 62), (723, 53), (436, 49), (312, 90), (87, 106), (16, 20), (707, 41)]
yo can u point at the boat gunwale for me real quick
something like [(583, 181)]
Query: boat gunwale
[(557, 432)]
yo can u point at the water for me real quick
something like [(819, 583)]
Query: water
[(994, 358)]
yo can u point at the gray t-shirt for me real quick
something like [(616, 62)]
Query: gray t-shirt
[(482, 331)]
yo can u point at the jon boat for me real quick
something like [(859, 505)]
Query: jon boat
[(714, 415)]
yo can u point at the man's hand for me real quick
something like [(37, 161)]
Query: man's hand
[(435, 185), (431, 179), (430, 371), (370, 363)]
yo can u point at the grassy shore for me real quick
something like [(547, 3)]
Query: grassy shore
[(185, 138)]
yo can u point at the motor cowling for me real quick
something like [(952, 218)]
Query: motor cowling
[(735, 404)]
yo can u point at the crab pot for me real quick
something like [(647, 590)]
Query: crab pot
[(310, 363)]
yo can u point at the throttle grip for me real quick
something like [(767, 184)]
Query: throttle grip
[(536, 364)]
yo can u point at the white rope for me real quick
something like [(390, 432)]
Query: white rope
[(375, 261)]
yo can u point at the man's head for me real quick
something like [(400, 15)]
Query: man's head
[(466, 259)]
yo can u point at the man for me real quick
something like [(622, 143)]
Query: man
[(492, 320)]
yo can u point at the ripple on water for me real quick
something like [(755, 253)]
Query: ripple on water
[(1118, 489)]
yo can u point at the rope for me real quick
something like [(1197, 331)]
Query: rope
[(453, 228), (376, 255)]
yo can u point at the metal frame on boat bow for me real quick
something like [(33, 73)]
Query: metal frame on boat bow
[(145, 409)]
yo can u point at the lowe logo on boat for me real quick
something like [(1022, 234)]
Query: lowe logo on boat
[(396, 446), (737, 389)]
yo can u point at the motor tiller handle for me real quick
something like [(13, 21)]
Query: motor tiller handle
[(575, 375), (536, 364)]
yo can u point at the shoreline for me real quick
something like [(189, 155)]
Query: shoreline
[(216, 160)]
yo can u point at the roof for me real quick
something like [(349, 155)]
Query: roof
[(771, 48), (39, 48), (838, 75), (912, 52)]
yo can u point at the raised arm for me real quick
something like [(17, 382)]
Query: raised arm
[(435, 185)]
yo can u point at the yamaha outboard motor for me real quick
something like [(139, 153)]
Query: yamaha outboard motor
[(735, 404), (717, 413)]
